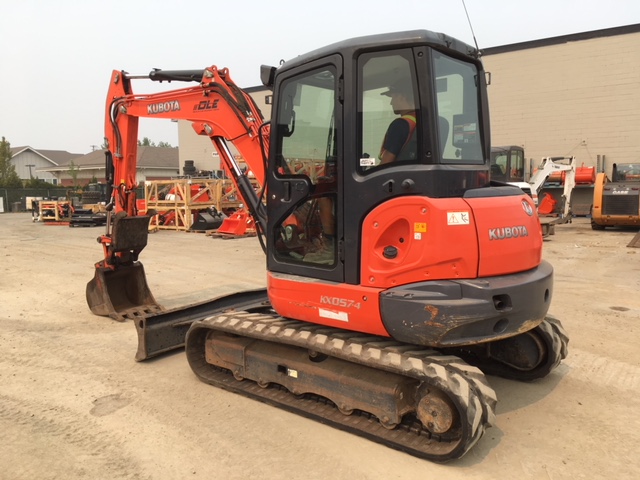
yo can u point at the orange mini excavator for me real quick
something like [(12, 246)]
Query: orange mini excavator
[(392, 286)]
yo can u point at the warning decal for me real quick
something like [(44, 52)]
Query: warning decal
[(458, 218), (420, 227)]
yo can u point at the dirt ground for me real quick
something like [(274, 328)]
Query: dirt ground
[(74, 403)]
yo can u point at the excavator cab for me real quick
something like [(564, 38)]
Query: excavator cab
[(338, 113)]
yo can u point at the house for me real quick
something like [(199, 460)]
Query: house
[(31, 163), (154, 163)]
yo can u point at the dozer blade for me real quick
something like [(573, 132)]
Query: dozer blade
[(122, 293), (165, 331)]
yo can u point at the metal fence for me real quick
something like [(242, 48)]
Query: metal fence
[(15, 199)]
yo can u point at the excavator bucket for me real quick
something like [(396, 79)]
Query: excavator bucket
[(238, 224), (121, 293)]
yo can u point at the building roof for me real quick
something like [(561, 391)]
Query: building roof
[(574, 37), (148, 157), (56, 157), (158, 157)]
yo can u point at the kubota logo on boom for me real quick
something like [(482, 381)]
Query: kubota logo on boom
[(508, 232), (163, 107)]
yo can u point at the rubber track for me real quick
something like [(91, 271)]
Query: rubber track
[(558, 337), (465, 385), (554, 336)]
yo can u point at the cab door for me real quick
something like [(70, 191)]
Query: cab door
[(304, 181)]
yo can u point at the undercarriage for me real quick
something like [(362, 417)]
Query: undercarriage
[(427, 403)]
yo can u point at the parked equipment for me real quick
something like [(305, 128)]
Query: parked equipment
[(616, 201), (94, 193), (184, 204), (53, 211), (507, 165), (386, 282), (549, 166)]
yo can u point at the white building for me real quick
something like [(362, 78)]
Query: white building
[(31, 163)]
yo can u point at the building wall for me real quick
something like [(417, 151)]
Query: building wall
[(81, 180), (577, 98), (144, 174), (28, 157), (85, 175), (197, 148)]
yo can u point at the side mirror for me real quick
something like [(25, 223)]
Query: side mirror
[(267, 75)]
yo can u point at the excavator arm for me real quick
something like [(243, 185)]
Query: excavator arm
[(549, 166), (218, 109)]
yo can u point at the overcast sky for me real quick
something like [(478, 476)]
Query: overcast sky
[(57, 55)]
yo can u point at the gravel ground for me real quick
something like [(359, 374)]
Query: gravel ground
[(74, 403)]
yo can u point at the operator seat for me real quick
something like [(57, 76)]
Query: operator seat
[(496, 170)]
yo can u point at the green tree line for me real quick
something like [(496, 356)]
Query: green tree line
[(8, 176)]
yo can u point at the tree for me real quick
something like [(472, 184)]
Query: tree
[(73, 172), (145, 142), (8, 176), (37, 183)]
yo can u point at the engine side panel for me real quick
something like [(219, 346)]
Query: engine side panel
[(509, 234), (413, 239)]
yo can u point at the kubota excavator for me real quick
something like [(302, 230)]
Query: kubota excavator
[(388, 285)]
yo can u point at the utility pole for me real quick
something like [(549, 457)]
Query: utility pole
[(30, 175)]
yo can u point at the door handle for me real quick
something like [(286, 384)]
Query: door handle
[(286, 191)]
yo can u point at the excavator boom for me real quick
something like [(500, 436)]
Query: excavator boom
[(217, 109)]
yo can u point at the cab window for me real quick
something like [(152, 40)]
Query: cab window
[(458, 100), (387, 109), (307, 147)]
